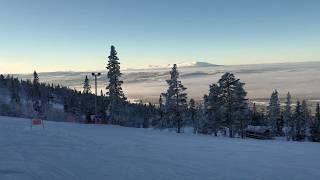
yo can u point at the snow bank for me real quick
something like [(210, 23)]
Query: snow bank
[(81, 152)]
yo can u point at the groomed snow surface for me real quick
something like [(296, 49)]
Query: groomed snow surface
[(69, 151)]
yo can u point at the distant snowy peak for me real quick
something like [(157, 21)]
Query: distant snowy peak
[(185, 64)]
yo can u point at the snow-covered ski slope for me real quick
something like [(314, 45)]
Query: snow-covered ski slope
[(69, 151)]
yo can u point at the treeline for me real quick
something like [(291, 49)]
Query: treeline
[(225, 110), (32, 99)]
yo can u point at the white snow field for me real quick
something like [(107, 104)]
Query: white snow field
[(69, 151)]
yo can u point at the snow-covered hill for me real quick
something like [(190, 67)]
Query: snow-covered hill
[(68, 151)]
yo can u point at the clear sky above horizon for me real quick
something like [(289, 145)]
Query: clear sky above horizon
[(47, 35)]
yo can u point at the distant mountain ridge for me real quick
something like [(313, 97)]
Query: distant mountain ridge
[(184, 65)]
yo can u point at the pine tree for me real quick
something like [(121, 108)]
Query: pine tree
[(287, 117), (193, 111), (74, 104), (255, 118), (15, 86), (241, 108), (86, 86), (315, 126), (115, 92), (299, 123), (102, 104), (306, 115), (36, 94), (45, 97), (2, 80), (274, 112), (213, 110), (316, 133), (161, 122), (318, 114), (234, 103), (175, 101)]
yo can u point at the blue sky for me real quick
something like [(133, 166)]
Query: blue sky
[(76, 35)]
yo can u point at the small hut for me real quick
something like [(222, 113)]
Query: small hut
[(258, 132)]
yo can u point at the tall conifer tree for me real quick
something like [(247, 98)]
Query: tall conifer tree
[(86, 86), (175, 101), (287, 117), (235, 107), (274, 112), (114, 88)]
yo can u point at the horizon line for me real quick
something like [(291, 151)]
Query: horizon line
[(146, 68)]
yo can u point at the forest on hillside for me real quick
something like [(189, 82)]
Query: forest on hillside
[(224, 111)]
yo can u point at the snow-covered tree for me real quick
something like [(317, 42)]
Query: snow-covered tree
[(72, 104), (175, 101), (274, 113), (315, 125), (161, 122), (287, 117), (213, 110), (86, 86), (14, 90), (114, 88), (299, 120), (306, 115), (234, 103), (193, 113), (36, 94), (318, 112)]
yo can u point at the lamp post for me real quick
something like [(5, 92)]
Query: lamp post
[(96, 91)]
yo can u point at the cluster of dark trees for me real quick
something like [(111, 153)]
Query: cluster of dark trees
[(225, 110), (19, 92), (295, 121)]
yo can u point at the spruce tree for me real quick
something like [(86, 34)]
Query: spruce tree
[(114, 88), (86, 86), (175, 101), (315, 126), (45, 97), (213, 110), (274, 112), (255, 118), (15, 86), (317, 123), (161, 122), (299, 123), (318, 114), (306, 115), (2, 80), (241, 108), (287, 117), (36, 94), (193, 111)]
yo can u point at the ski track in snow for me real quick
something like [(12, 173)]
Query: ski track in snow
[(81, 152)]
